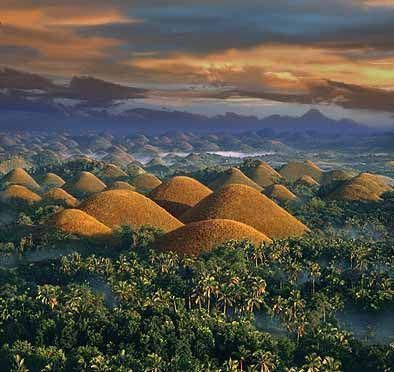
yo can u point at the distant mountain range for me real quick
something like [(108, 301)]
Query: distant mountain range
[(29, 101)]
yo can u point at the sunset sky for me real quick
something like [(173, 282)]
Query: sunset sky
[(338, 53)]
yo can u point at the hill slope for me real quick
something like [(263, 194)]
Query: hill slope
[(17, 194), (19, 176), (51, 180), (115, 208), (280, 192), (203, 236), (294, 170), (365, 186), (179, 194), (263, 174), (86, 184), (61, 197), (233, 176), (247, 205), (146, 182), (77, 222)]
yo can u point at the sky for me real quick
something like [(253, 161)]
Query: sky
[(281, 54)]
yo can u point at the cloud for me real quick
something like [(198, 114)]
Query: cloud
[(327, 92), (50, 35), (281, 48), (379, 3), (61, 15), (280, 72), (276, 66), (61, 47)]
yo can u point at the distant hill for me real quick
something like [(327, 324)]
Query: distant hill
[(313, 120), (97, 90), (14, 79)]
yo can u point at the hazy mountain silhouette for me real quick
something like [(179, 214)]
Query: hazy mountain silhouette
[(29, 101)]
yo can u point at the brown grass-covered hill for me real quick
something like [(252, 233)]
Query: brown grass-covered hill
[(294, 170), (52, 180), (203, 236), (121, 185), (247, 205), (77, 222), (336, 175), (263, 174), (146, 182), (112, 172), (61, 197), (118, 156), (19, 176), (307, 181), (179, 194), (8, 165), (365, 186), (233, 176), (280, 193), (86, 184), (156, 161), (123, 207), (19, 195), (134, 169)]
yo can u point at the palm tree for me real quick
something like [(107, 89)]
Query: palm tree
[(323, 304), (314, 273), (300, 324), (225, 297), (154, 362), (160, 300), (207, 287), (231, 365), (259, 286), (266, 361), (314, 364), (255, 292), (19, 364), (331, 365), (278, 306), (258, 254), (124, 290), (294, 269), (48, 295)]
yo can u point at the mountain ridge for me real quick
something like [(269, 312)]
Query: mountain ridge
[(89, 103)]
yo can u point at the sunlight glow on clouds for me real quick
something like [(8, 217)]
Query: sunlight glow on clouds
[(49, 16), (274, 66), (336, 50), (383, 3)]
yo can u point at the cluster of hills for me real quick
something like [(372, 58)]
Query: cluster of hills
[(124, 149), (172, 152), (239, 203)]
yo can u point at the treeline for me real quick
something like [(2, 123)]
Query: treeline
[(142, 310)]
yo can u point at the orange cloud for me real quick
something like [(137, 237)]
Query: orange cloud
[(21, 17), (61, 15), (382, 3), (59, 46), (275, 66)]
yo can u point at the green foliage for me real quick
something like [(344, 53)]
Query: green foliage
[(272, 307)]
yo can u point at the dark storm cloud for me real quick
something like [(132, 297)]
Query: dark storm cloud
[(349, 96), (206, 27), (203, 27)]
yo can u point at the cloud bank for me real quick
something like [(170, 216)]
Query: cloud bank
[(336, 51)]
